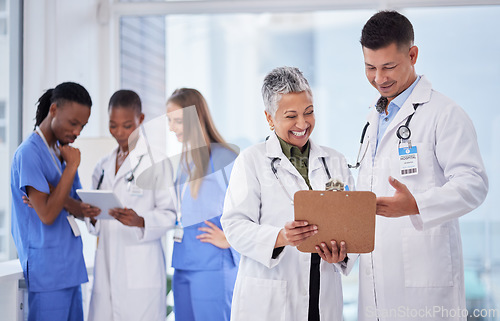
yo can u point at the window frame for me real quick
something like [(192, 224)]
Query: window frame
[(14, 102), (259, 6)]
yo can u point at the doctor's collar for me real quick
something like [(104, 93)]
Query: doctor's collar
[(399, 100)]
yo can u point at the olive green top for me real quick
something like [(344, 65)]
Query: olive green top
[(299, 159)]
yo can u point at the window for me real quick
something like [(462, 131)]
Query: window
[(10, 40), (142, 60), (4, 154), (3, 18), (2, 123), (154, 0), (3, 25), (470, 77)]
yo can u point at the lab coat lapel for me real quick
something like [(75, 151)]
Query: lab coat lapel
[(315, 154), (122, 171), (109, 167), (420, 94), (315, 164), (405, 111), (372, 131), (273, 150), (146, 172), (137, 156)]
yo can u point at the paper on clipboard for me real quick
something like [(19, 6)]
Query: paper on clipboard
[(103, 199), (341, 216)]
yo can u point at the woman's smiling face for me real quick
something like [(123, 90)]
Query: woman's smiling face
[(175, 120), (294, 120)]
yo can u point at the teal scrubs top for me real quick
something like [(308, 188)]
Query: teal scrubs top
[(51, 256)]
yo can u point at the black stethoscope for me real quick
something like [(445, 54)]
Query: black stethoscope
[(358, 161), (403, 133), (275, 172), (129, 177)]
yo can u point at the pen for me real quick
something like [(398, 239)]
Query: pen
[(100, 180)]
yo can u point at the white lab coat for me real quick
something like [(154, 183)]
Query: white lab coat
[(129, 272), (255, 210), (416, 270)]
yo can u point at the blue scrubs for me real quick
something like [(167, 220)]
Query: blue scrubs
[(50, 255), (204, 274), (65, 304)]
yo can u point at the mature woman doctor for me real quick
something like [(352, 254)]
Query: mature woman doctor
[(130, 273), (276, 281)]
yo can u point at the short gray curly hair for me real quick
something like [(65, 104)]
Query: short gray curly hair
[(281, 81)]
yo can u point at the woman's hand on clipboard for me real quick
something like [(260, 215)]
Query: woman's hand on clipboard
[(336, 255), (294, 233)]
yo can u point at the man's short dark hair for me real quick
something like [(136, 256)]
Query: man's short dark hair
[(385, 28)]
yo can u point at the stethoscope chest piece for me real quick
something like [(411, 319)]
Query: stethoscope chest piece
[(129, 177), (403, 132)]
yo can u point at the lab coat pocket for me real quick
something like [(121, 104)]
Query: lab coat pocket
[(262, 299), (143, 266), (427, 257)]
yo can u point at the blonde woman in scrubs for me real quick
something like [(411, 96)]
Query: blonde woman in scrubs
[(205, 264)]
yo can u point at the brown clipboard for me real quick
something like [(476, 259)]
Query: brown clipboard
[(341, 216)]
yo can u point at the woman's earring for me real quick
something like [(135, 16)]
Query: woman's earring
[(271, 127)]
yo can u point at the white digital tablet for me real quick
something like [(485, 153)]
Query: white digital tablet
[(103, 199)]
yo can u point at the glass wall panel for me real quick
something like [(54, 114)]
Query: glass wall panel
[(4, 146)]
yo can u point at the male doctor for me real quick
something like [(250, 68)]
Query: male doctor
[(423, 162)]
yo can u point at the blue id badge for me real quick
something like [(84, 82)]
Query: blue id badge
[(408, 161)]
